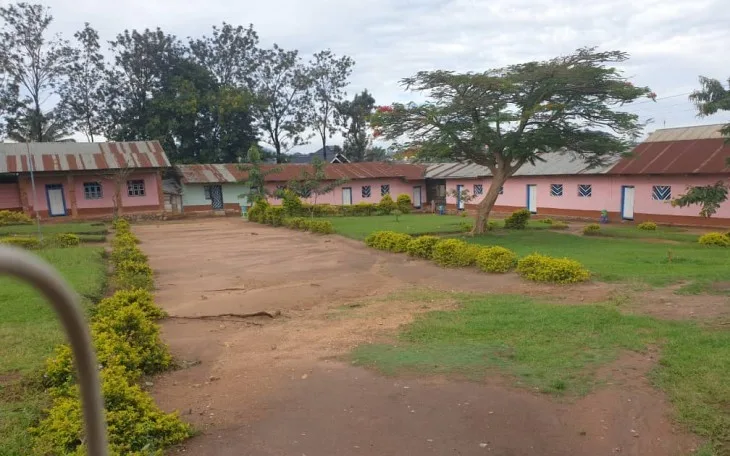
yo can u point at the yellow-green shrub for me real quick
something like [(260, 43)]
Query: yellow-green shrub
[(496, 259), (454, 253), (123, 298), (133, 274), (125, 238), (296, 223), (518, 220), (422, 246), (14, 218), (493, 225), (256, 212), (274, 216), (390, 241), (718, 239), (65, 240), (404, 203), (131, 253), (558, 225), (135, 424), (29, 243), (386, 204), (291, 203), (647, 226), (541, 268), (547, 221), (121, 224), (592, 229), (321, 226)]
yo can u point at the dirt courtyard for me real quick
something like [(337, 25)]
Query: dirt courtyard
[(278, 386)]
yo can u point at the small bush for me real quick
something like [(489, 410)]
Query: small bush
[(496, 259), (518, 220), (14, 218), (547, 221), (390, 241), (125, 239), (296, 223), (128, 254), (386, 204), (492, 225), (29, 243), (717, 239), (274, 215), (256, 212), (121, 224), (321, 226), (124, 298), (422, 246), (558, 225), (647, 226), (592, 229), (65, 240), (541, 268), (133, 274), (454, 253), (291, 203), (465, 227), (364, 209), (404, 203), (321, 210)]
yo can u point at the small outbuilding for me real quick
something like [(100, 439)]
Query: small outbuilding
[(212, 189)]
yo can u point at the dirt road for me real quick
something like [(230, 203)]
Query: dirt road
[(275, 386)]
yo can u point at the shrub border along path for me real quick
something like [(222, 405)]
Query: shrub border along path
[(128, 346)]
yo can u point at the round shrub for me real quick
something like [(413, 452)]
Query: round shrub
[(296, 223), (404, 203), (14, 218), (592, 229), (454, 253), (389, 241), (422, 246), (65, 240), (386, 204), (29, 243), (291, 203), (274, 215), (125, 239), (647, 226), (496, 259), (717, 239), (518, 220), (139, 298), (542, 268), (256, 212), (121, 224), (321, 226), (128, 254)]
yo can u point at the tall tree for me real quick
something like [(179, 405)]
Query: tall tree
[(82, 94), (28, 126), (34, 64), (712, 98), (229, 54), (507, 117), (279, 87), (328, 78), (354, 116)]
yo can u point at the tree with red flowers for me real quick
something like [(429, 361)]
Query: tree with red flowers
[(506, 117)]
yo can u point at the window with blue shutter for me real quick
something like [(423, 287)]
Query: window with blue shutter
[(661, 192), (585, 190), (556, 189), (384, 190), (366, 191), (478, 189)]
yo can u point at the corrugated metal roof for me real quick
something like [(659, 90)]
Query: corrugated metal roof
[(69, 156), (696, 156), (555, 164), (196, 174), (686, 133)]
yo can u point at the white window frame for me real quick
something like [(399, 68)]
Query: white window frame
[(93, 194), (554, 187), (584, 194), (656, 196), (136, 188)]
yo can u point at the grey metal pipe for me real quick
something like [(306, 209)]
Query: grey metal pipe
[(41, 275)]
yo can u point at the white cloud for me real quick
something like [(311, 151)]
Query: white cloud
[(672, 42)]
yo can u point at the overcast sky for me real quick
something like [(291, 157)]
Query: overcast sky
[(671, 42)]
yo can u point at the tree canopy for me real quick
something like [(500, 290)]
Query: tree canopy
[(712, 98), (506, 117)]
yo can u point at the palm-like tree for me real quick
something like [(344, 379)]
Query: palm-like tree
[(38, 127), (713, 97)]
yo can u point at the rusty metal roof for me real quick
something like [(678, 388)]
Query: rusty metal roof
[(199, 174), (696, 156), (70, 156), (555, 164)]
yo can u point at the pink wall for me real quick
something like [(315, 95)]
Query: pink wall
[(397, 187), (151, 197), (10, 196), (606, 193)]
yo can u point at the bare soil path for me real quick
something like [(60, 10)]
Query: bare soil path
[(274, 386)]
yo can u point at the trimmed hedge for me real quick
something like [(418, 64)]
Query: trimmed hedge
[(647, 226), (542, 268), (14, 218), (518, 220), (496, 259), (24, 242), (592, 229), (274, 216), (257, 211), (390, 241), (422, 246), (455, 253), (717, 239), (128, 346), (558, 225), (65, 240)]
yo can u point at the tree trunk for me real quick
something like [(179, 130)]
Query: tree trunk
[(485, 206)]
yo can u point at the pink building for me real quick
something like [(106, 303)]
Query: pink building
[(638, 187), (82, 180)]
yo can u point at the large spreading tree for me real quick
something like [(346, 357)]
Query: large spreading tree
[(507, 117)]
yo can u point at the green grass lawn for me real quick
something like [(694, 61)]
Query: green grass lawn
[(616, 259), (662, 232), (29, 329), (96, 228), (557, 349)]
